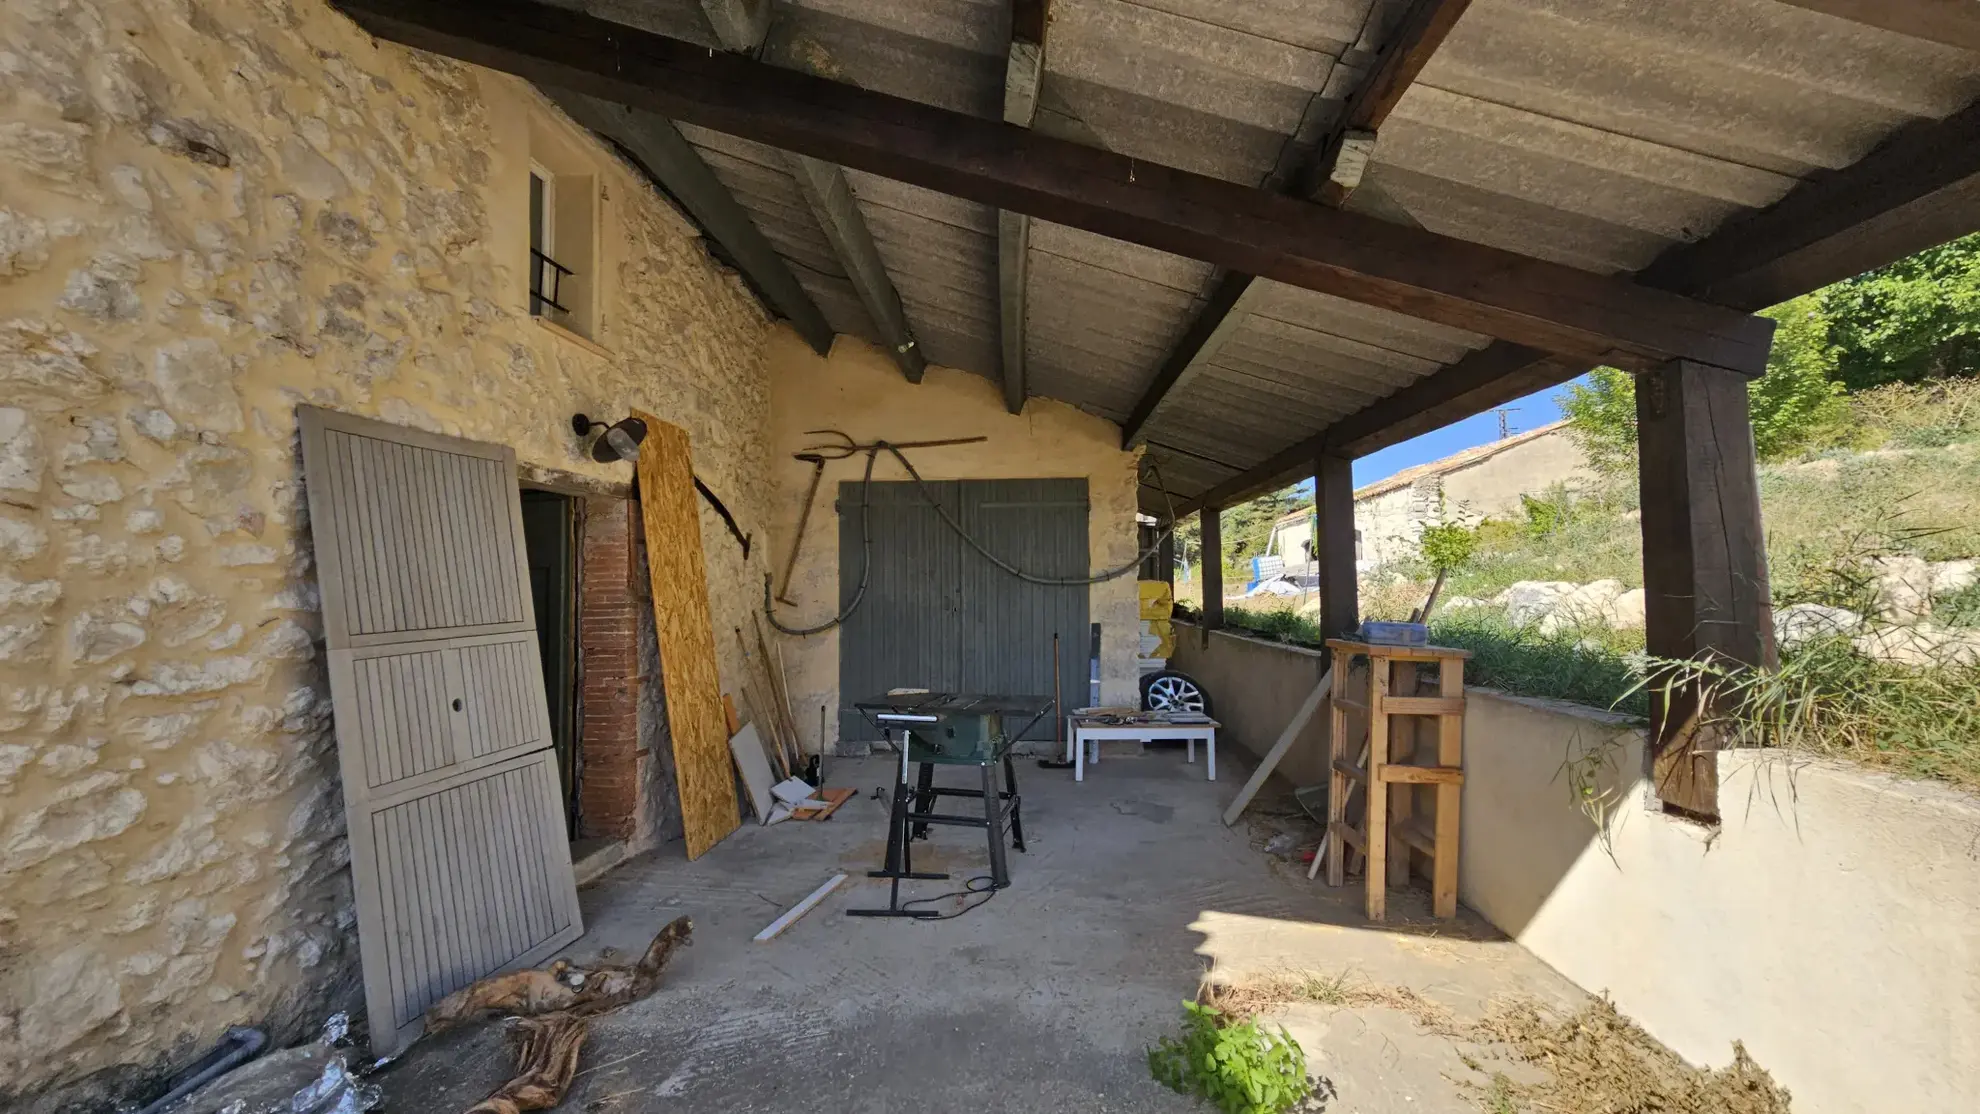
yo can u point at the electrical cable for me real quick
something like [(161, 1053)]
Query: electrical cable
[(872, 452), (988, 890)]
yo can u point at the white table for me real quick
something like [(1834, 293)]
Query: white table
[(1079, 734)]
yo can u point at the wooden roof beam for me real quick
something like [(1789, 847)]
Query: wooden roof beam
[(1436, 278), (744, 26), (1024, 72), (1919, 189), (1330, 176), (666, 157)]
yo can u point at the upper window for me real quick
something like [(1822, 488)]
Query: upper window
[(548, 275)]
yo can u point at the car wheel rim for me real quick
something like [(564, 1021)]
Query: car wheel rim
[(1174, 694)]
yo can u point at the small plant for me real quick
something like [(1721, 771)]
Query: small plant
[(1448, 546), (1239, 1068)]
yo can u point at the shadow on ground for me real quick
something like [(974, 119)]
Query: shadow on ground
[(1045, 998)]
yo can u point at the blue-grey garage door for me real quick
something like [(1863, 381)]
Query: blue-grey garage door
[(938, 615)]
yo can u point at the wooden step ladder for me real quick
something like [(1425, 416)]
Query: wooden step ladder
[(1390, 779)]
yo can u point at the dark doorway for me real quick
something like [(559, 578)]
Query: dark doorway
[(550, 536)]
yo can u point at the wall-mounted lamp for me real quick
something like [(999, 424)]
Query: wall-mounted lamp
[(620, 441)]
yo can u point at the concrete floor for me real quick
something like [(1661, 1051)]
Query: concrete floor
[(1043, 999)]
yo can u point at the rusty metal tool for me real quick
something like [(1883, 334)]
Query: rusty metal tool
[(817, 463)]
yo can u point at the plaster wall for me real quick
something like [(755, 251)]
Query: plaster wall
[(860, 391), (1391, 520), (1831, 924), (209, 213)]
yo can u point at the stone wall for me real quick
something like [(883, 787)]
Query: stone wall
[(860, 391), (209, 213)]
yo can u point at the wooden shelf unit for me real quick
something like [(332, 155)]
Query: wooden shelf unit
[(1391, 786)]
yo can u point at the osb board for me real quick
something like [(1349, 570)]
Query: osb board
[(686, 634)]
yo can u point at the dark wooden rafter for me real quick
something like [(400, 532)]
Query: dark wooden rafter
[(666, 157), (1024, 72), (1324, 178), (1951, 22), (743, 26), (1920, 188), (1436, 278), (1422, 30)]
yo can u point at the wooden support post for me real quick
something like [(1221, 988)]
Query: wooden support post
[(1165, 556), (1212, 562), (1333, 505), (1704, 559)]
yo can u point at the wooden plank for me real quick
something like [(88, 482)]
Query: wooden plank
[(686, 636), (1403, 739), (659, 150), (1350, 771), (1450, 754), (1284, 743), (790, 917), (1424, 706), (1416, 832), (1376, 873), (1335, 852), (1704, 559), (1348, 833), (826, 190), (1951, 22), (833, 798), (1361, 258), (1210, 564), (1396, 653), (1401, 773)]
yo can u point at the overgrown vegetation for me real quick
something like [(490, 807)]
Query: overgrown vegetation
[(1231, 1063), (1828, 699), (1592, 1061)]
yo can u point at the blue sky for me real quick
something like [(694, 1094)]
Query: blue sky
[(1531, 412)]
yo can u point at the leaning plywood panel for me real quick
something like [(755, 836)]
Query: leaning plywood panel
[(451, 791), (686, 634)]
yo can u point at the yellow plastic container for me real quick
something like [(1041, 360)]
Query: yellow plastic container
[(1158, 600)]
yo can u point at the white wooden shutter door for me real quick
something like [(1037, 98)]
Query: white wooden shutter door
[(458, 852)]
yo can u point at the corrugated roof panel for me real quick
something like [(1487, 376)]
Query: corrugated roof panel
[(1597, 133), (1370, 324), (941, 253), (758, 177), (1205, 85), (1100, 315), (951, 55)]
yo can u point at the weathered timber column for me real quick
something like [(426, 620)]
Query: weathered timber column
[(1212, 562), (1333, 507), (1704, 558), (1165, 555)]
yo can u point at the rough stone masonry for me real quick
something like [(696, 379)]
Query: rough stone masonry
[(210, 212)]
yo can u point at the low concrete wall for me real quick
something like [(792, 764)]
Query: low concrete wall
[(1832, 923), (1255, 688)]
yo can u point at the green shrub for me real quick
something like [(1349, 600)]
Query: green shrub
[(1237, 1067), (1592, 665)]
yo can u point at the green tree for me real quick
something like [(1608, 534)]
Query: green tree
[(1916, 319), (1791, 404)]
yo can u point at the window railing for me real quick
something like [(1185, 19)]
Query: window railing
[(546, 282)]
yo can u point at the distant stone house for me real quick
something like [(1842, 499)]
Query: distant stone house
[(1478, 483)]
